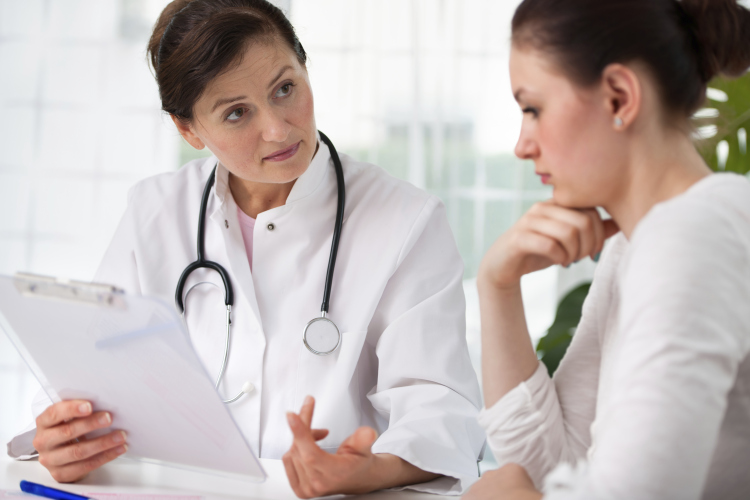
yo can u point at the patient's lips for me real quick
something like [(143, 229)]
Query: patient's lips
[(544, 177)]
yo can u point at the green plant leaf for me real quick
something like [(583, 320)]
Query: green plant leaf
[(732, 124), (552, 346)]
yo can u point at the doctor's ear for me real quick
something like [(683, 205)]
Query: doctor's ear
[(623, 94), (186, 131)]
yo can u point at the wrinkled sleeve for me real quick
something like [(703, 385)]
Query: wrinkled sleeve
[(683, 334), (545, 421), (118, 268), (427, 389)]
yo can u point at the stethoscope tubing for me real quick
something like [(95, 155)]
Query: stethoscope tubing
[(201, 262), (341, 204)]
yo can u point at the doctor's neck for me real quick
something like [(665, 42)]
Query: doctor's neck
[(257, 197), (254, 198)]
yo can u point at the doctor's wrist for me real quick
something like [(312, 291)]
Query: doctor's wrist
[(390, 471)]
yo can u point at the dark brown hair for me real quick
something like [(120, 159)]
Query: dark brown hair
[(684, 43), (194, 41)]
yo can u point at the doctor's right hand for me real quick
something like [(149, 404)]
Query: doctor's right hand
[(62, 445)]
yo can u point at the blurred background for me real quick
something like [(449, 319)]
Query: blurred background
[(419, 87)]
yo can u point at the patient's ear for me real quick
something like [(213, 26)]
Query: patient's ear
[(623, 94), (186, 131)]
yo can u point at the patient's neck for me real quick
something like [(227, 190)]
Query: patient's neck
[(660, 167)]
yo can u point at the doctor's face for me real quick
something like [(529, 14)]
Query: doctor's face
[(257, 117), (567, 131)]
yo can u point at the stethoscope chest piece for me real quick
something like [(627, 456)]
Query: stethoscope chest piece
[(321, 336)]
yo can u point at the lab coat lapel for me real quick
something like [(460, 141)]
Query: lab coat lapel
[(225, 214)]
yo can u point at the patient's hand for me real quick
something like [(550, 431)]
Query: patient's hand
[(62, 445), (510, 482), (353, 469)]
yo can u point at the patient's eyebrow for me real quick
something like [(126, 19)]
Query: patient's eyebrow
[(227, 100)]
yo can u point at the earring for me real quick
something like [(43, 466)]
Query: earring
[(618, 122)]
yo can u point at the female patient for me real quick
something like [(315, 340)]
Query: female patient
[(652, 400)]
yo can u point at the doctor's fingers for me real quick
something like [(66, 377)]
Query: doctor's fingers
[(360, 442), (312, 480), (307, 410), (304, 441), (77, 470), (75, 452), (48, 438), (319, 434), (62, 412), (291, 472)]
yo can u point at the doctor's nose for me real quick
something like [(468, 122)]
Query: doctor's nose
[(275, 128)]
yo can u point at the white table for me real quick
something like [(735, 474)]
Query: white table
[(124, 476)]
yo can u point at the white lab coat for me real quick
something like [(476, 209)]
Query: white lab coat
[(403, 366)]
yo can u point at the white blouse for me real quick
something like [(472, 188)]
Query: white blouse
[(652, 400)]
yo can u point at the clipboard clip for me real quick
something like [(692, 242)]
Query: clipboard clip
[(34, 285)]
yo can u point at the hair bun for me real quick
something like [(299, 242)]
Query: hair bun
[(722, 32)]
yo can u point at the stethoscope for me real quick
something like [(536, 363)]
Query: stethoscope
[(321, 336)]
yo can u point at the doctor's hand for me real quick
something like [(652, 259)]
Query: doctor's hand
[(62, 445), (547, 234), (353, 469)]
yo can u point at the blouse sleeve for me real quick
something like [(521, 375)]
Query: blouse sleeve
[(545, 421), (427, 389), (684, 331)]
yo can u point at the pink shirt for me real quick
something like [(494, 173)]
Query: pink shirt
[(247, 225)]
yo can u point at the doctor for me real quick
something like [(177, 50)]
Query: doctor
[(396, 403)]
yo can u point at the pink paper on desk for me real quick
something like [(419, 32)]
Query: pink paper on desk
[(16, 495), (140, 496)]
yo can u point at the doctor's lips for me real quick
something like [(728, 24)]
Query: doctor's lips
[(283, 154)]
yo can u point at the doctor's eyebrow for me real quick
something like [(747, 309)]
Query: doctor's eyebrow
[(518, 93), (279, 75), (227, 100)]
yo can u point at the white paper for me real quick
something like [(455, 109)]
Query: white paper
[(134, 360)]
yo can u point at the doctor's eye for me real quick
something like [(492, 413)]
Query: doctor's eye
[(531, 110), (236, 114), (284, 90)]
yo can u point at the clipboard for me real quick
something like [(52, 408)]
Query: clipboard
[(132, 356)]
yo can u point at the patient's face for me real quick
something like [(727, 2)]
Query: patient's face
[(567, 131)]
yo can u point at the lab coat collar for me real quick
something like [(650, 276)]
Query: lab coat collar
[(306, 184), (310, 180)]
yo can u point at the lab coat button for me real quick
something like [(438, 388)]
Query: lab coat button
[(271, 226)]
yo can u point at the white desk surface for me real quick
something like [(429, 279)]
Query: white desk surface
[(123, 476)]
